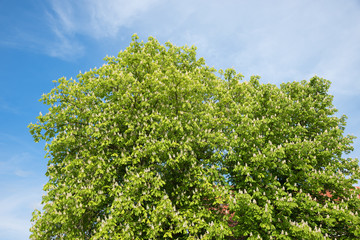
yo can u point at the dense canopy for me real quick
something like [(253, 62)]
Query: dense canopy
[(156, 145)]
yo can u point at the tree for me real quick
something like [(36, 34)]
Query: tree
[(155, 144)]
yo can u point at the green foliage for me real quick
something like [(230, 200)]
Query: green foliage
[(155, 145)]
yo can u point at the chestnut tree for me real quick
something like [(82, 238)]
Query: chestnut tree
[(157, 145)]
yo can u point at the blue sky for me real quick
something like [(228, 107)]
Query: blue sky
[(43, 40)]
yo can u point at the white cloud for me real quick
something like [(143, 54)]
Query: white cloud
[(69, 20), (97, 19)]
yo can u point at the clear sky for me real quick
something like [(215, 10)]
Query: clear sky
[(43, 40)]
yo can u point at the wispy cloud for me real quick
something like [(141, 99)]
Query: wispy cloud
[(63, 27), (97, 19), (93, 19)]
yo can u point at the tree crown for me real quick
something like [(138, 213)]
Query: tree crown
[(154, 143)]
